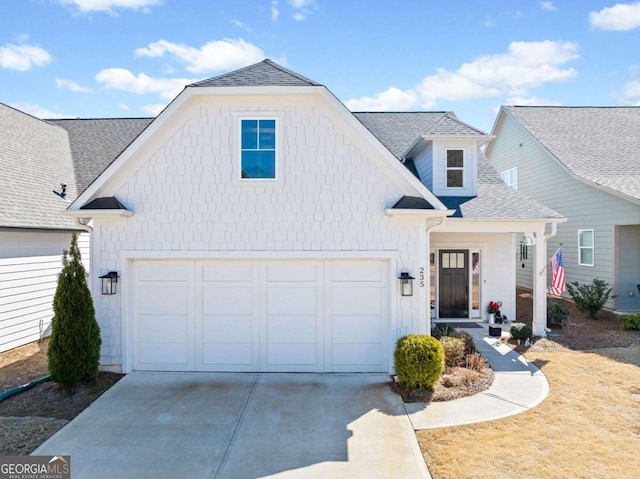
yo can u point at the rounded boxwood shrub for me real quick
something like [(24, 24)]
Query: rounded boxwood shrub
[(419, 360), (631, 321), (521, 331), (453, 351), (557, 312)]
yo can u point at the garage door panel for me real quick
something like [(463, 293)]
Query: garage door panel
[(227, 300), (367, 329), (163, 300), (351, 355), (365, 271), (292, 300), (227, 329), (227, 354), (359, 300), (163, 356), (292, 354), (292, 272), (165, 271), (292, 329), (163, 328), (226, 272)]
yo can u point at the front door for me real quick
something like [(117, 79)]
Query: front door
[(454, 284)]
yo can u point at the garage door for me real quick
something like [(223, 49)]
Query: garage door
[(295, 316)]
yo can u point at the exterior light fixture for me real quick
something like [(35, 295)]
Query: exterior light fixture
[(406, 284), (109, 283)]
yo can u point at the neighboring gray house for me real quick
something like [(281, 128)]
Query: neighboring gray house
[(583, 162), (37, 157)]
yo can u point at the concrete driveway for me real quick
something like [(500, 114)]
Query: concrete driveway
[(202, 425)]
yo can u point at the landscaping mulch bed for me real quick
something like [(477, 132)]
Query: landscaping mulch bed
[(29, 418)]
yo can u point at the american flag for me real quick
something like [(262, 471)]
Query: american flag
[(557, 274)]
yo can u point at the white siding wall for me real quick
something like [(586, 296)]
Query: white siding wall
[(628, 266), (331, 198), (541, 177), (29, 265), (497, 279)]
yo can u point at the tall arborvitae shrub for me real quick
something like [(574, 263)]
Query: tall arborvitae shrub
[(74, 347)]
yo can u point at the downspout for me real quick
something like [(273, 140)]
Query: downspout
[(84, 224), (554, 230)]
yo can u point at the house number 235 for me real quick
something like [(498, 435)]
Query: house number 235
[(421, 276)]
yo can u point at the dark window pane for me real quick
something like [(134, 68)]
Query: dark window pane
[(249, 134), (455, 159), (454, 179), (258, 164), (267, 135)]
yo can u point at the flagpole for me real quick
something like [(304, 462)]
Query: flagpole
[(549, 260)]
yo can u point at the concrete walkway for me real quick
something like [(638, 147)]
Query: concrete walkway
[(242, 426), (518, 387)]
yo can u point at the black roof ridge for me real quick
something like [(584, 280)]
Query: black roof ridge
[(291, 72)]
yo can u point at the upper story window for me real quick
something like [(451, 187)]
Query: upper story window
[(455, 168), (258, 149), (585, 247), (510, 177)]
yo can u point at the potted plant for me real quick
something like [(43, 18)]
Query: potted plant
[(492, 309)]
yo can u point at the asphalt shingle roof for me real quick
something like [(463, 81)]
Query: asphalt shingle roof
[(597, 144), (95, 143), (265, 73), (35, 159)]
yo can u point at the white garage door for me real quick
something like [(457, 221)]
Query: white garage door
[(310, 316)]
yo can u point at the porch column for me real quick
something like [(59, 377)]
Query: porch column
[(540, 285)]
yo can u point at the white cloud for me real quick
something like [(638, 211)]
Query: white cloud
[(548, 6), (122, 79), (38, 111), (275, 13), (244, 26), (124, 106), (629, 94), (393, 99), (532, 101), (526, 65), (108, 6), (212, 56), (23, 57), (301, 9), (153, 109), (64, 84), (620, 17)]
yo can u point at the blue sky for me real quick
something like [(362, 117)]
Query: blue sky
[(129, 58)]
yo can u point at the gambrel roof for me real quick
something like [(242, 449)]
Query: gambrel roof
[(599, 145)]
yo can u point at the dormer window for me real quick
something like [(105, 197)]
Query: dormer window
[(455, 168)]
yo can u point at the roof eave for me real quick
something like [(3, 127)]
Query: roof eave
[(119, 213), (406, 212)]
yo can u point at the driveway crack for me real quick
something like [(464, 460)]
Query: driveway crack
[(225, 456)]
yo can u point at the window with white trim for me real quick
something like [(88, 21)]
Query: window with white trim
[(455, 168), (585, 247), (510, 177), (258, 149)]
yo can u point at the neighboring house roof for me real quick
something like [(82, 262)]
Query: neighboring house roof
[(600, 145), (95, 143), (265, 73), (496, 200), (35, 159)]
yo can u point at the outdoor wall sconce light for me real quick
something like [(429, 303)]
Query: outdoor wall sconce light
[(406, 284), (109, 283)]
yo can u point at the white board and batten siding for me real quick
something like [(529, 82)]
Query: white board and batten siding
[(296, 315), (543, 178), (30, 262)]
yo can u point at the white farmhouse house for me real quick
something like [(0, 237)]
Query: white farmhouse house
[(258, 225), (584, 162)]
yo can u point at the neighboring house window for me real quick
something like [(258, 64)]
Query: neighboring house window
[(510, 177), (455, 168), (585, 247), (258, 149)]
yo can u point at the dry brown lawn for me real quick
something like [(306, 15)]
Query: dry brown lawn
[(588, 426)]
